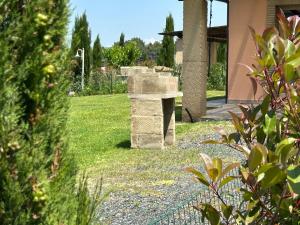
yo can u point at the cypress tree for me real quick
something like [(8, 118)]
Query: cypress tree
[(37, 176), (166, 55), (81, 38), (97, 53), (122, 40)]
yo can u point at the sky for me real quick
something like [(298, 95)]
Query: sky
[(135, 18)]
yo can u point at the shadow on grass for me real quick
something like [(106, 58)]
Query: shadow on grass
[(124, 144)]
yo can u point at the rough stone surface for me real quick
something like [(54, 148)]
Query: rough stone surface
[(194, 93), (152, 111), (195, 59)]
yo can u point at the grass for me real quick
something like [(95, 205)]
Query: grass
[(100, 140)]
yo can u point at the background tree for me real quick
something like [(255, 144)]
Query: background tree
[(118, 56), (141, 46), (152, 50), (122, 40), (222, 53), (97, 54), (37, 175), (81, 38), (167, 52)]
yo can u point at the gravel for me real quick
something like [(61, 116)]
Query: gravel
[(130, 208)]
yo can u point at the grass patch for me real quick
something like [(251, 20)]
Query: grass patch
[(99, 129)]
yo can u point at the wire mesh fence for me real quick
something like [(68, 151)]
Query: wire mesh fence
[(186, 214)]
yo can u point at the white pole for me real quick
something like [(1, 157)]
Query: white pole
[(82, 72)]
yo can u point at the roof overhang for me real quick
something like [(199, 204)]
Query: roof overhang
[(214, 34)]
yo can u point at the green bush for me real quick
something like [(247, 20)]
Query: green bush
[(269, 137), (217, 77), (103, 84), (177, 72), (37, 174), (126, 55)]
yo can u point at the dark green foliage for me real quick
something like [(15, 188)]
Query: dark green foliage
[(81, 38), (167, 52), (37, 176), (177, 72), (118, 56), (217, 77), (141, 46), (97, 54), (267, 134), (122, 40), (105, 83), (152, 50), (222, 54)]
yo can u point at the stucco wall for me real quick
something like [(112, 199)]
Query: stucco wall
[(258, 14), (243, 13), (179, 51)]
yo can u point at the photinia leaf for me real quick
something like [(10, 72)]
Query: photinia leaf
[(198, 174), (289, 72), (218, 165), (242, 149), (226, 210), (213, 174), (273, 176), (293, 176), (229, 168), (252, 215), (210, 213), (269, 33), (270, 124), (226, 180), (294, 60), (255, 159), (213, 142), (284, 148), (207, 162)]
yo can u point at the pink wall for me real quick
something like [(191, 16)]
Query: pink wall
[(243, 13)]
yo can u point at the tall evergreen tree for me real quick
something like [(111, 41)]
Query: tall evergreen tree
[(37, 176), (122, 40), (81, 38), (97, 53), (167, 52)]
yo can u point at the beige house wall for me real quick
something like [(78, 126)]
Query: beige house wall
[(241, 47), (179, 51)]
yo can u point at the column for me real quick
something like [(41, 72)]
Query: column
[(195, 59)]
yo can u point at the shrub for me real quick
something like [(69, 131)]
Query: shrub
[(268, 135), (103, 84), (217, 77), (37, 175), (126, 55), (177, 72)]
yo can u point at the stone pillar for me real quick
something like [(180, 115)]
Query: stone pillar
[(213, 53), (195, 59), (147, 123)]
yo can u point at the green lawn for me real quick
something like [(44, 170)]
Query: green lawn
[(100, 140)]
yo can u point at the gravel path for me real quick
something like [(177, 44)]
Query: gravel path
[(130, 208)]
